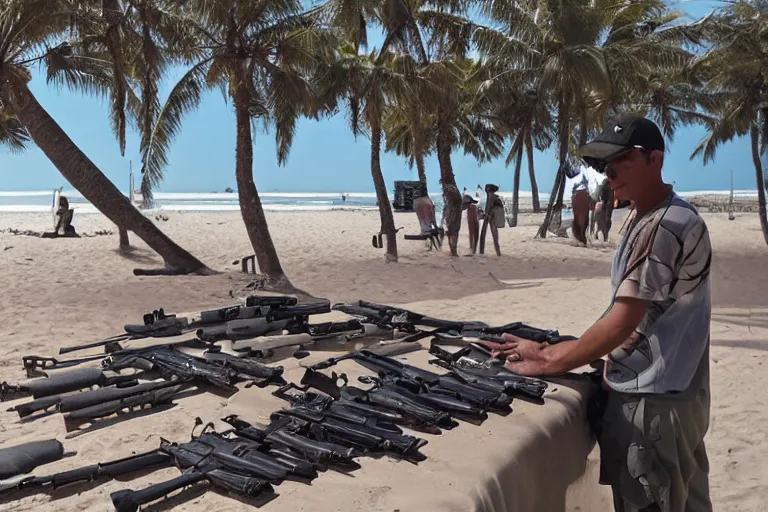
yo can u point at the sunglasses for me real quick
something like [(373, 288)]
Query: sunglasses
[(604, 166)]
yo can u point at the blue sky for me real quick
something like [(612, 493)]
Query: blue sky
[(325, 156)]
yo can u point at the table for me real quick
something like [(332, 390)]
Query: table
[(524, 462)]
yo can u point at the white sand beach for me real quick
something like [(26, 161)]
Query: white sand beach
[(66, 291)]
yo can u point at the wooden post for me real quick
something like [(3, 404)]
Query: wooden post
[(731, 216)]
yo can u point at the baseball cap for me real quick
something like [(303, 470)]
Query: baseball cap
[(622, 134)]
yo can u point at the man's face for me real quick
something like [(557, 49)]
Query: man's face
[(630, 173)]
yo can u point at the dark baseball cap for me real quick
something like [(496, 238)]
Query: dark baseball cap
[(622, 134)]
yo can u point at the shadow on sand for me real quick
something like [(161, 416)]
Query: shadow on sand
[(138, 255)]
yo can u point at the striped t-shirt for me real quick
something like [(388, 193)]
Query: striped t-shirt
[(664, 258)]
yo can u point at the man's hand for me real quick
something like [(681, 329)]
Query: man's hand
[(530, 358), (523, 357)]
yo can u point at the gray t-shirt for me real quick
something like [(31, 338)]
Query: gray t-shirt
[(664, 258)]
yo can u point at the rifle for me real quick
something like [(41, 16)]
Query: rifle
[(427, 384), (158, 323), (398, 318), (473, 364), (86, 399), (171, 363), (276, 319), (61, 383), (247, 369), (282, 433), (518, 329), (234, 466), (329, 420), (151, 398), (91, 473)]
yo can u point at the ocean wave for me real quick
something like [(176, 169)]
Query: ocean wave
[(87, 208), (40, 201)]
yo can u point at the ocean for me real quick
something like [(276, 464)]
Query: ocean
[(42, 200)]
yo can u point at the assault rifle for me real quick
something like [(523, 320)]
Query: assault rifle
[(391, 317), (61, 383), (104, 401), (426, 383), (474, 364), (91, 473), (336, 422), (285, 434), (260, 315), (236, 465)]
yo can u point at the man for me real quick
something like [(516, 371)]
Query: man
[(581, 204), (425, 210), (469, 204), (603, 210), (655, 334)]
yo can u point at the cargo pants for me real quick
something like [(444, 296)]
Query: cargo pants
[(652, 449)]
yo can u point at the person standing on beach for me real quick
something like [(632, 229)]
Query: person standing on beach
[(653, 411)]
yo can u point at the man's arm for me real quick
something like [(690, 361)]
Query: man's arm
[(600, 339), (540, 359)]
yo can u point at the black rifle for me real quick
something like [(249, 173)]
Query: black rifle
[(227, 464), (332, 421), (247, 369), (518, 329), (398, 318), (61, 383), (99, 397), (151, 398), (92, 473), (282, 434), (416, 380), (158, 324), (171, 363), (473, 364)]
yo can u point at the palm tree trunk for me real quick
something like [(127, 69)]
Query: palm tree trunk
[(385, 207), (754, 135), (250, 202), (124, 240), (516, 187), (82, 174), (451, 194), (418, 145), (559, 185), (532, 176), (419, 157)]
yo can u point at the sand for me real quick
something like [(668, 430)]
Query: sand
[(61, 292)]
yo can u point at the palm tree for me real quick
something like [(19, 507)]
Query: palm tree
[(13, 135), (528, 122), (261, 54), (735, 69), (409, 133), (461, 120), (368, 84), (575, 50), (34, 31), (434, 33)]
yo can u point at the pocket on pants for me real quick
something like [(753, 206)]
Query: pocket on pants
[(644, 481)]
